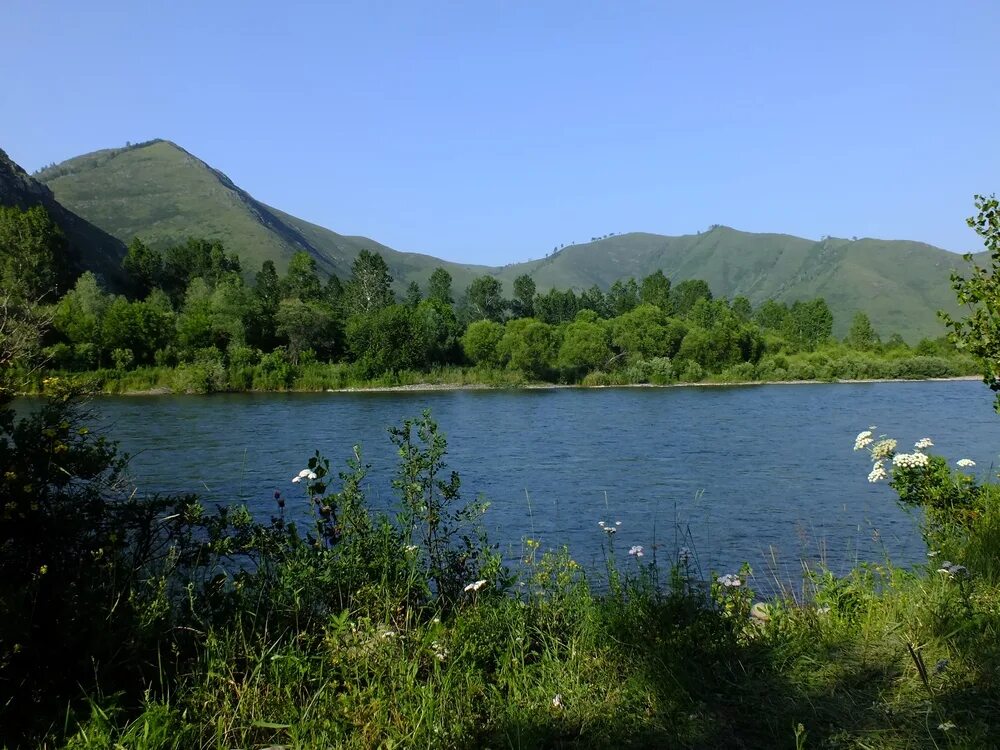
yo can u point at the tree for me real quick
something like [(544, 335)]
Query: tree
[(439, 286), (370, 286), (386, 340), (530, 346), (556, 306), (646, 332), (742, 309), (30, 244), (862, 336), (413, 295), (304, 324), (523, 304), (771, 315), (144, 267), (622, 297), (301, 281), (686, 294), (484, 299), (481, 343), (979, 332), (655, 290), (439, 331), (809, 323), (585, 346)]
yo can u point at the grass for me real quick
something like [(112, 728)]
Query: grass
[(563, 667), (362, 630)]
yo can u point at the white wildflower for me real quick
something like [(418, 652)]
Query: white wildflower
[(884, 448), (389, 634), (877, 473), (863, 440), (618, 523), (965, 462), (953, 570), (923, 443), (304, 473), (610, 529), (730, 580), (557, 701), (475, 586), (910, 460), (411, 548), (636, 550), (296, 480), (946, 726), (601, 524), (311, 475)]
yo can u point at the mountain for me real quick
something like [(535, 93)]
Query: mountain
[(163, 194), (88, 247)]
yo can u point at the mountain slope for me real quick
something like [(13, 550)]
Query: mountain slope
[(89, 247), (159, 192), (163, 194)]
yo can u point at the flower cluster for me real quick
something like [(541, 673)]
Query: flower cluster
[(878, 472), (440, 652), (884, 448), (304, 474), (923, 443), (965, 463), (475, 586), (863, 440), (915, 460), (608, 528), (636, 550), (729, 580)]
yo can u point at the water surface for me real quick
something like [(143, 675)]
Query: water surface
[(748, 473)]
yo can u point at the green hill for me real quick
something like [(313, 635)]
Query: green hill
[(88, 247), (163, 194)]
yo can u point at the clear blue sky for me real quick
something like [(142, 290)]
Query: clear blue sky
[(492, 131)]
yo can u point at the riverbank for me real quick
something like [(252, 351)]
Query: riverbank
[(336, 378)]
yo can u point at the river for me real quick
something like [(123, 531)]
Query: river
[(764, 474)]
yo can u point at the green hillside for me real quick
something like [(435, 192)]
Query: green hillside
[(87, 246), (163, 194)]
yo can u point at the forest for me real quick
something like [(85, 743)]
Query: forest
[(190, 318)]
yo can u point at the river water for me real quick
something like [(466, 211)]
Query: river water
[(764, 474)]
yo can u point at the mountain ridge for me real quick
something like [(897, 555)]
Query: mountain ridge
[(162, 193)]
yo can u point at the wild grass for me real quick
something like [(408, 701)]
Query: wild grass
[(360, 629)]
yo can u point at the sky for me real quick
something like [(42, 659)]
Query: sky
[(490, 132)]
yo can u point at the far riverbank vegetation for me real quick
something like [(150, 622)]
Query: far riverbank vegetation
[(187, 320)]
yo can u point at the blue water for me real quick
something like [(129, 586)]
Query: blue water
[(764, 474)]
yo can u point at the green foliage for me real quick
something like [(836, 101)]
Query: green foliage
[(481, 343), (439, 286), (387, 340), (143, 266), (862, 336), (30, 247), (304, 325), (370, 286), (586, 346), (484, 300), (979, 332), (523, 304), (655, 290), (530, 346), (301, 281), (646, 332)]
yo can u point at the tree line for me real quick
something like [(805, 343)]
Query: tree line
[(193, 305)]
